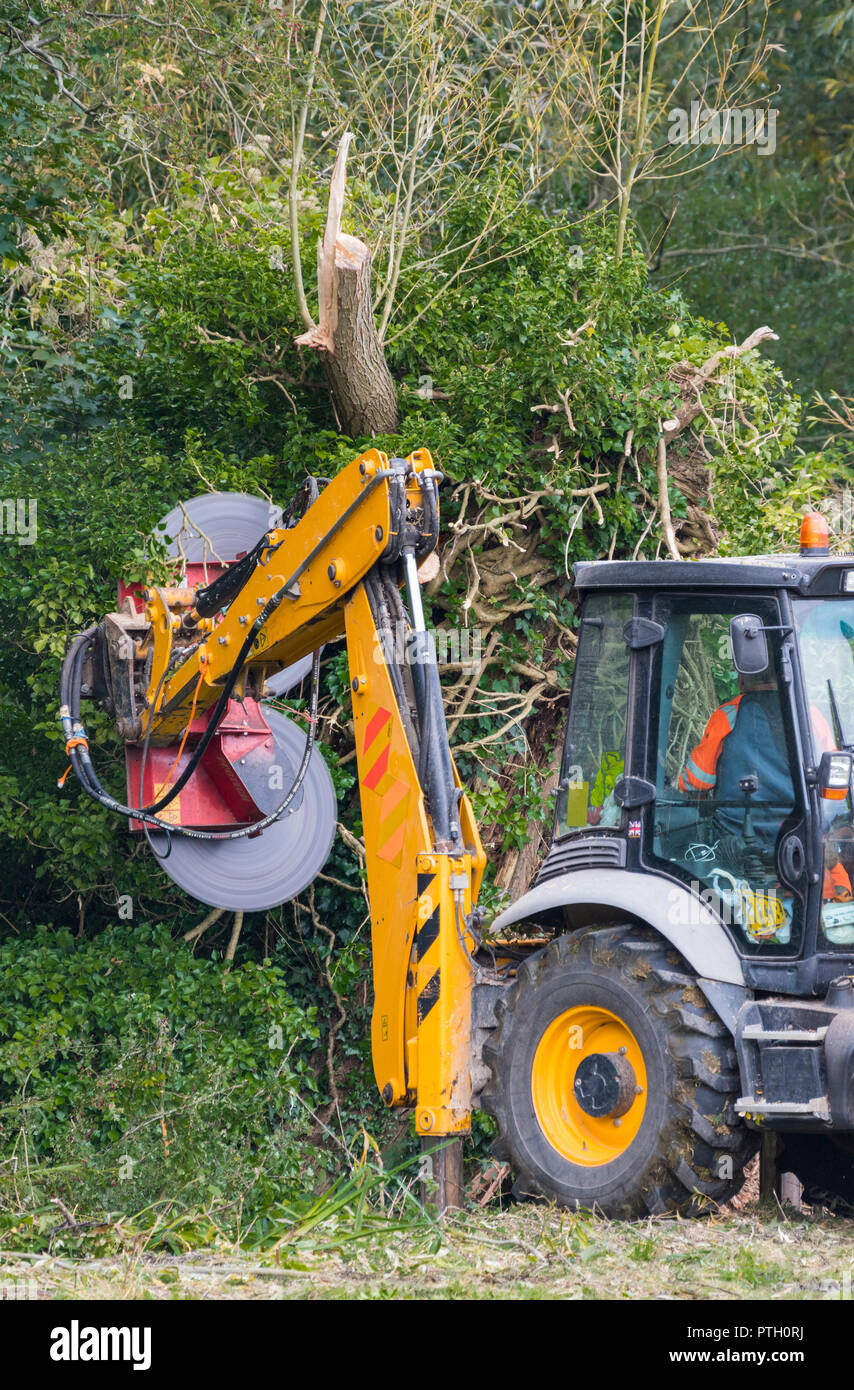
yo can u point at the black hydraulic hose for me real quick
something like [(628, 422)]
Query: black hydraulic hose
[(70, 681), (397, 610), (79, 753), (435, 768), (266, 613), (424, 716), (429, 537), (434, 749), (378, 592), (84, 770), (66, 681), (399, 620), (397, 510), (482, 973), (221, 591)]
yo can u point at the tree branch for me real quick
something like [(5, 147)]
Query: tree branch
[(296, 160)]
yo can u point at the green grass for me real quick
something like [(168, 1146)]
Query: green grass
[(348, 1249), (367, 1236)]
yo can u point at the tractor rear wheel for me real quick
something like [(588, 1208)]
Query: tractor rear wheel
[(613, 1080)]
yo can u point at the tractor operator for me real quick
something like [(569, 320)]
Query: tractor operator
[(744, 735)]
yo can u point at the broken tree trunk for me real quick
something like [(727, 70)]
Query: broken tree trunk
[(363, 390), (362, 386)]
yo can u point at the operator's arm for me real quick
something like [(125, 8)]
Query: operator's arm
[(821, 730), (701, 770)]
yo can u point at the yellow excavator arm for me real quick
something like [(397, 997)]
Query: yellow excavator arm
[(181, 662)]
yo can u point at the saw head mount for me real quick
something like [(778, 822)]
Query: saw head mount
[(258, 872)]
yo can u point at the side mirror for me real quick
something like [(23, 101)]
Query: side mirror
[(749, 646), (834, 775)]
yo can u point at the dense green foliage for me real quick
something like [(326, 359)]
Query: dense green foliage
[(128, 1068)]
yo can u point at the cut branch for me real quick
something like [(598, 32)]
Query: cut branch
[(698, 380), (235, 937), (195, 932), (664, 499)]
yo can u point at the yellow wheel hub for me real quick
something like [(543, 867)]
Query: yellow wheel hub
[(607, 1047)]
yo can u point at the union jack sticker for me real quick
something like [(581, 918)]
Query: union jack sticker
[(634, 829)]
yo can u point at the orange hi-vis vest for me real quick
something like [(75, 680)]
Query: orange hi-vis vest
[(701, 772)]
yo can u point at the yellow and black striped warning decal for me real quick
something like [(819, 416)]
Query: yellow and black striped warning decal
[(393, 791), (429, 996), (428, 933)]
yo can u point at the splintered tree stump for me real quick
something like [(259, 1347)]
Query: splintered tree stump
[(362, 386)]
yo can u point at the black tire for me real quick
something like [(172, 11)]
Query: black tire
[(690, 1149)]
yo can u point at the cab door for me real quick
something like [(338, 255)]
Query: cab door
[(729, 797)]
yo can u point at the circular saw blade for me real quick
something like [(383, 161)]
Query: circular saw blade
[(255, 873), (217, 525), (220, 526), (289, 676)]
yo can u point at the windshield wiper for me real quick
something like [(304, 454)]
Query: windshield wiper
[(838, 732)]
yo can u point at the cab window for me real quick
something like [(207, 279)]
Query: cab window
[(825, 636), (595, 750)]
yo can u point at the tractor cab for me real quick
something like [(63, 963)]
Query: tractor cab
[(709, 744)]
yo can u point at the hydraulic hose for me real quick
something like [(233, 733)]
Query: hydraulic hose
[(70, 680), (66, 680), (263, 617), (85, 771)]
